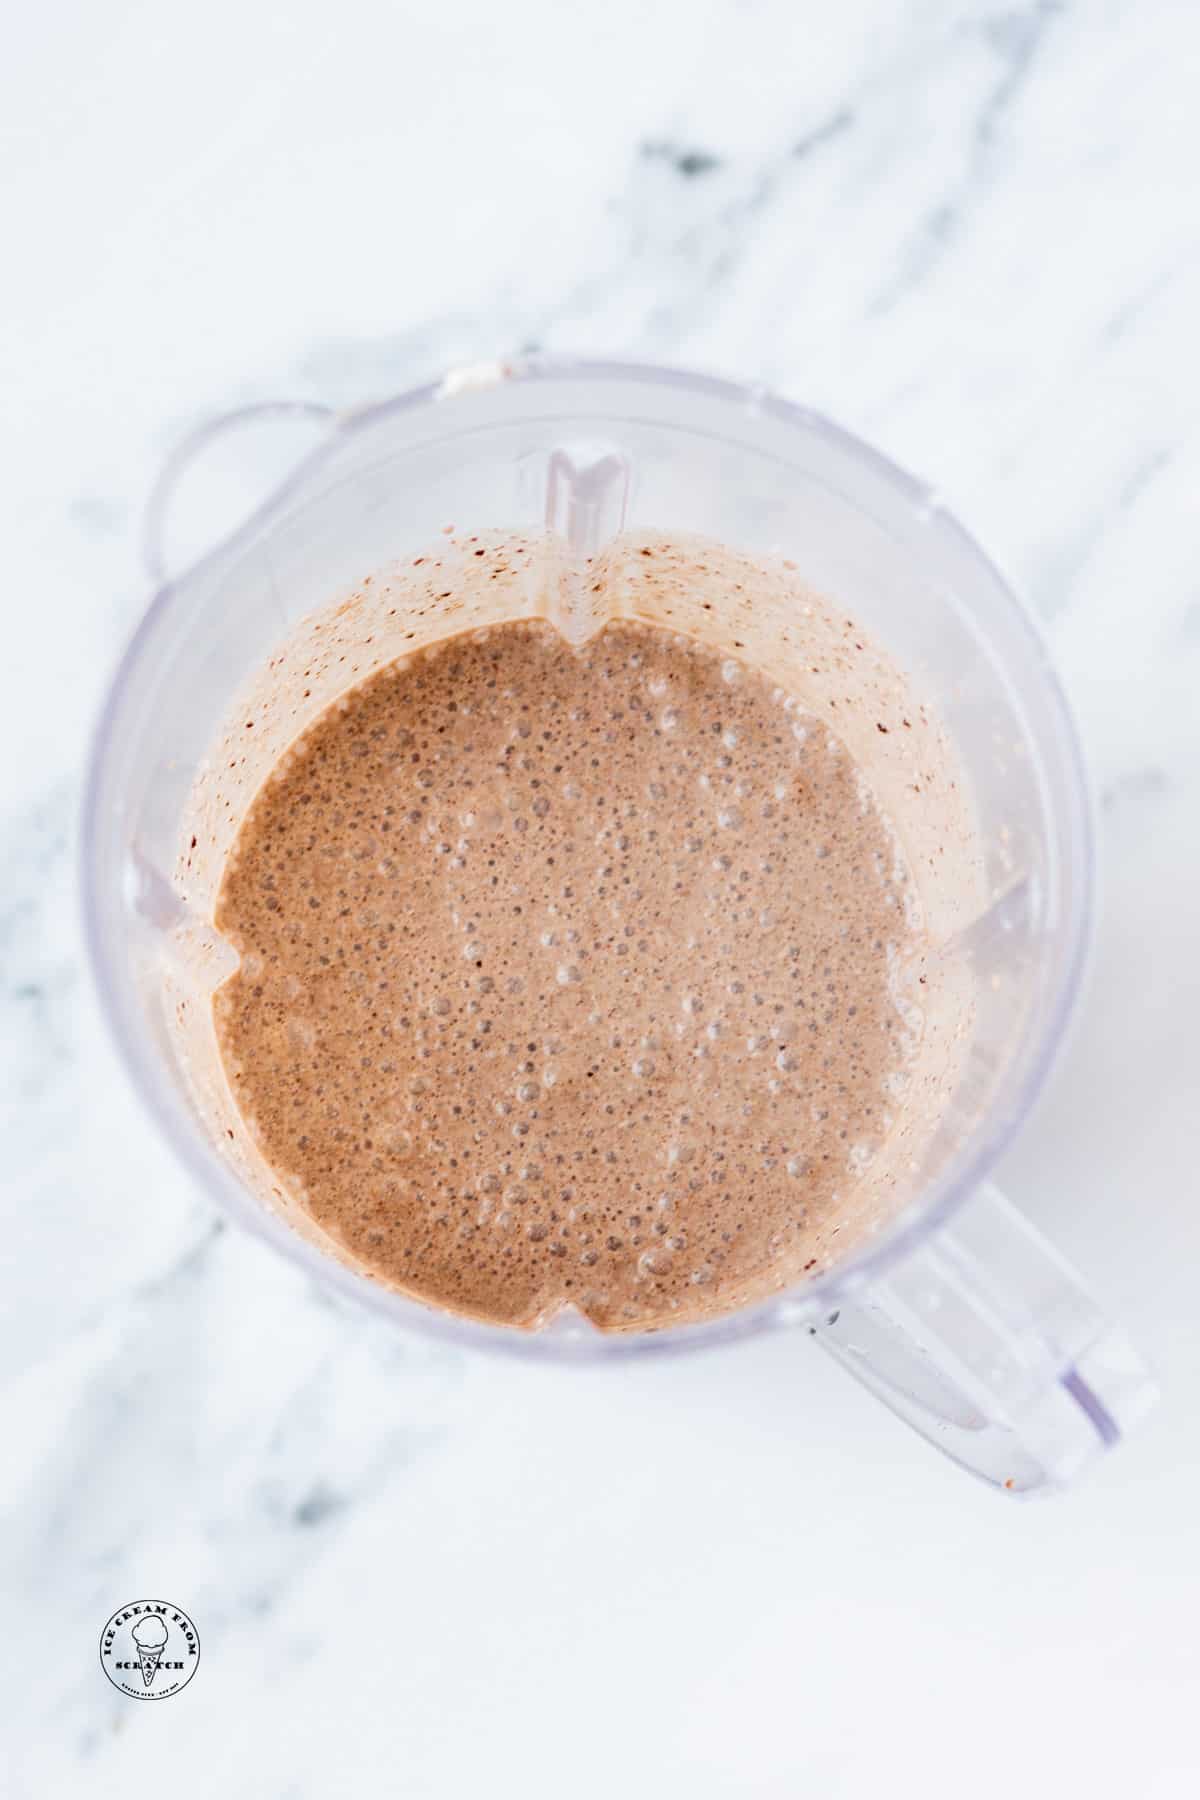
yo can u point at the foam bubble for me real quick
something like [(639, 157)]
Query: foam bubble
[(654, 1262)]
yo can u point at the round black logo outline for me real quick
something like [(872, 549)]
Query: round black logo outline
[(161, 1621)]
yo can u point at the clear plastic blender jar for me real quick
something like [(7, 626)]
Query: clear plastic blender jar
[(958, 1313)]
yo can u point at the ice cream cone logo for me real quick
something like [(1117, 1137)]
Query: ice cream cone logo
[(150, 1640), (150, 1649)]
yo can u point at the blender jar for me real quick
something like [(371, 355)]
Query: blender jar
[(955, 1310)]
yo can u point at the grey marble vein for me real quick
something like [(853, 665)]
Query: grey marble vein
[(1015, 38)]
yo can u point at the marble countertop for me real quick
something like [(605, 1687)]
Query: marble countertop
[(968, 232)]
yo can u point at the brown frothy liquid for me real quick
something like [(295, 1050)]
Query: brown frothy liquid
[(569, 975)]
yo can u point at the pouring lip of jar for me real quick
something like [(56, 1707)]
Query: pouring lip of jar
[(1072, 844)]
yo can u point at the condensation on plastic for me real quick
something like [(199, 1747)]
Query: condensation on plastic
[(959, 1315)]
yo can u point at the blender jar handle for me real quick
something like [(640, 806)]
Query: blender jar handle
[(988, 1343), (194, 445)]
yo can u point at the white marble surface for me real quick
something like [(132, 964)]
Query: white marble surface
[(969, 232)]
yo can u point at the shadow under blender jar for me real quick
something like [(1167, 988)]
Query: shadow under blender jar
[(958, 1313)]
